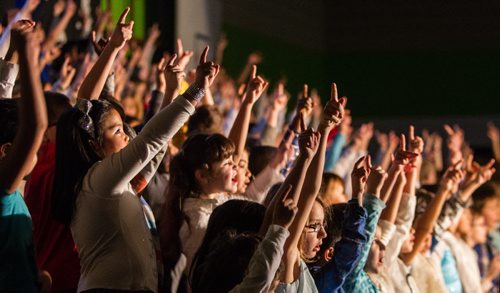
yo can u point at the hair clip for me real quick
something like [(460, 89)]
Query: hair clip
[(85, 122)]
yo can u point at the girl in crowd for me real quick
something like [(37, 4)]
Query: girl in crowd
[(95, 164)]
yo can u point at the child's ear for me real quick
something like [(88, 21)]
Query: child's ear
[(4, 148), (328, 254), (201, 176)]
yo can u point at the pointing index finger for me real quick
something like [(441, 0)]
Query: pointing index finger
[(253, 75), (171, 61), (180, 48), (203, 57), (402, 142), (305, 91), (124, 14), (333, 94)]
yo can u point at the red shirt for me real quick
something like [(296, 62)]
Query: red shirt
[(54, 246)]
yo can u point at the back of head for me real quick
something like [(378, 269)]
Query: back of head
[(207, 120), (8, 120), (75, 155), (324, 193), (240, 216), (259, 158), (484, 193), (57, 104), (227, 263)]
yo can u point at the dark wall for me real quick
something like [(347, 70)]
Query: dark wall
[(390, 58)]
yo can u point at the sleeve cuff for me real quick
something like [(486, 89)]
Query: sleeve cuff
[(184, 103), (388, 230), (8, 71)]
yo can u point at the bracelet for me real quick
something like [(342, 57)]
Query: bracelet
[(194, 92)]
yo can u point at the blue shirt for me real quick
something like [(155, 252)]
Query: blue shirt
[(18, 270), (347, 252), (358, 280)]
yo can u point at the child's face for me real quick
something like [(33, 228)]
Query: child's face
[(490, 212), (223, 177), (479, 230), (334, 193), (377, 253), (114, 137), (243, 173), (465, 223), (314, 232), (407, 246)]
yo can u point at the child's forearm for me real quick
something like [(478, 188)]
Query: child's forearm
[(94, 82)]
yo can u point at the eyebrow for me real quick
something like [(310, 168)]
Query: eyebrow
[(115, 125)]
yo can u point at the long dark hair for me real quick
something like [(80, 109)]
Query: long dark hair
[(240, 216), (198, 152), (75, 155), (227, 262)]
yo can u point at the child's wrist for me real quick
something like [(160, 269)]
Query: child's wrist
[(195, 92)]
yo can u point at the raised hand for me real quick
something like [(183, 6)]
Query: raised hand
[(402, 157), (285, 209), (376, 178), (23, 39), (305, 102), (280, 98), (206, 71), (256, 86), (184, 56), (452, 177), (122, 32), (22, 26), (359, 177), (475, 174), (334, 110), (493, 132), (173, 74), (363, 136), (67, 73), (161, 82), (98, 44), (455, 138), (416, 142), (309, 142)]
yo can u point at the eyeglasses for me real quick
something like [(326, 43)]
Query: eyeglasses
[(317, 226)]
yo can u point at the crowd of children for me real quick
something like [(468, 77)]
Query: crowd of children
[(122, 173)]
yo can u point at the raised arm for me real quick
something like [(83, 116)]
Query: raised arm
[(295, 178), (267, 258), (94, 82), (455, 143), (332, 116), (127, 163), (475, 176), (426, 222), (239, 131), (59, 28), (18, 161), (494, 136)]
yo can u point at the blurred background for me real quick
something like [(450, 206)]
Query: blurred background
[(426, 62)]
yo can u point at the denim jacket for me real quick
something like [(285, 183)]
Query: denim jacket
[(358, 280), (330, 277)]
